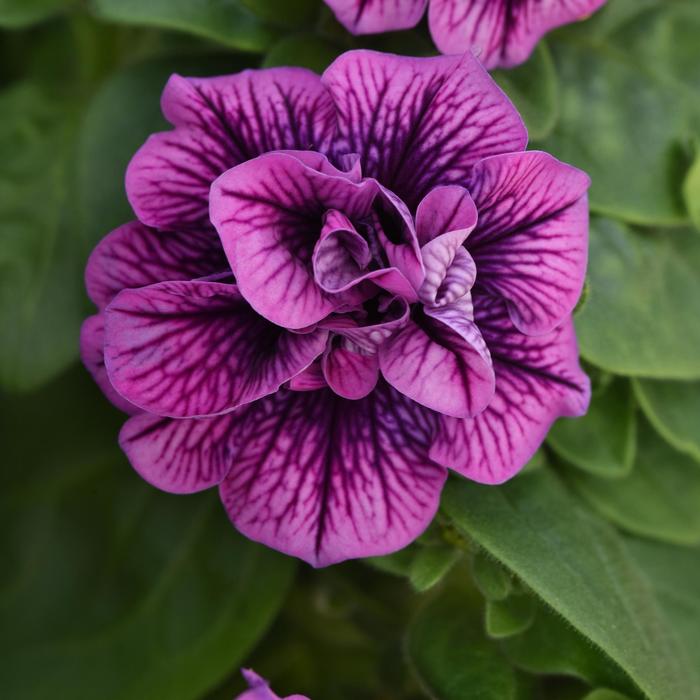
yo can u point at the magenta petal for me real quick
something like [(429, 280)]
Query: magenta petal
[(135, 255), (538, 379), (179, 455), (349, 372), (92, 344), (445, 209), (376, 16), (531, 243), (269, 213), (310, 379), (260, 689), (418, 123), (187, 349), (500, 32), (221, 122), (326, 479), (440, 360)]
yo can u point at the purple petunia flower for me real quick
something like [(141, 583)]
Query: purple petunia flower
[(259, 689), (379, 287), (502, 33)]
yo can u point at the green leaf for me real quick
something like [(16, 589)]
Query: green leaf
[(691, 189), (124, 112), (603, 441), (579, 566), (16, 14), (673, 408), (306, 50), (42, 254), (551, 646), (430, 565), (660, 498), (451, 657), (534, 89), (228, 22), (290, 14), (605, 694), (110, 587), (491, 578), (674, 572), (641, 316), (505, 618), (622, 122)]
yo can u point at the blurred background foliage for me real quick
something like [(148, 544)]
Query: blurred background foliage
[(578, 580)]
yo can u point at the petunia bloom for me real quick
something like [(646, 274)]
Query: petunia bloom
[(259, 689), (502, 33), (338, 288)]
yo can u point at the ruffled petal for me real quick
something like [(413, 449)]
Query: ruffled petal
[(135, 255), (326, 479), (500, 32), (538, 379), (531, 243), (219, 123), (440, 360), (418, 123), (377, 16), (349, 372), (187, 349)]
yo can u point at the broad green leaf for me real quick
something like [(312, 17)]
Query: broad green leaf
[(534, 89), (124, 112), (430, 565), (603, 441), (605, 694), (491, 578), (505, 618), (290, 14), (660, 498), (15, 14), (641, 316), (398, 563), (537, 461), (673, 408), (109, 587), (306, 50), (622, 124), (451, 657), (579, 566), (41, 251), (228, 22), (551, 646), (674, 573)]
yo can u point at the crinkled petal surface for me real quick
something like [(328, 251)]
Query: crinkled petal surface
[(187, 349), (260, 689), (376, 16), (269, 213), (440, 360), (326, 479), (92, 344), (179, 455), (530, 245), (538, 379), (135, 255), (420, 122), (500, 32), (221, 122)]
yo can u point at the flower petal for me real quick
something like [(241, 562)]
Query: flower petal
[(418, 123), (187, 349), (440, 360), (221, 122), (377, 16), (92, 344), (269, 213), (351, 374), (445, 209), (538, 379), (179, 455), (326, 479), (135, 255), (500, 32), (531, 243)]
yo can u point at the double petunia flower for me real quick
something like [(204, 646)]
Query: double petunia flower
[(502, 33), (338, 288)]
